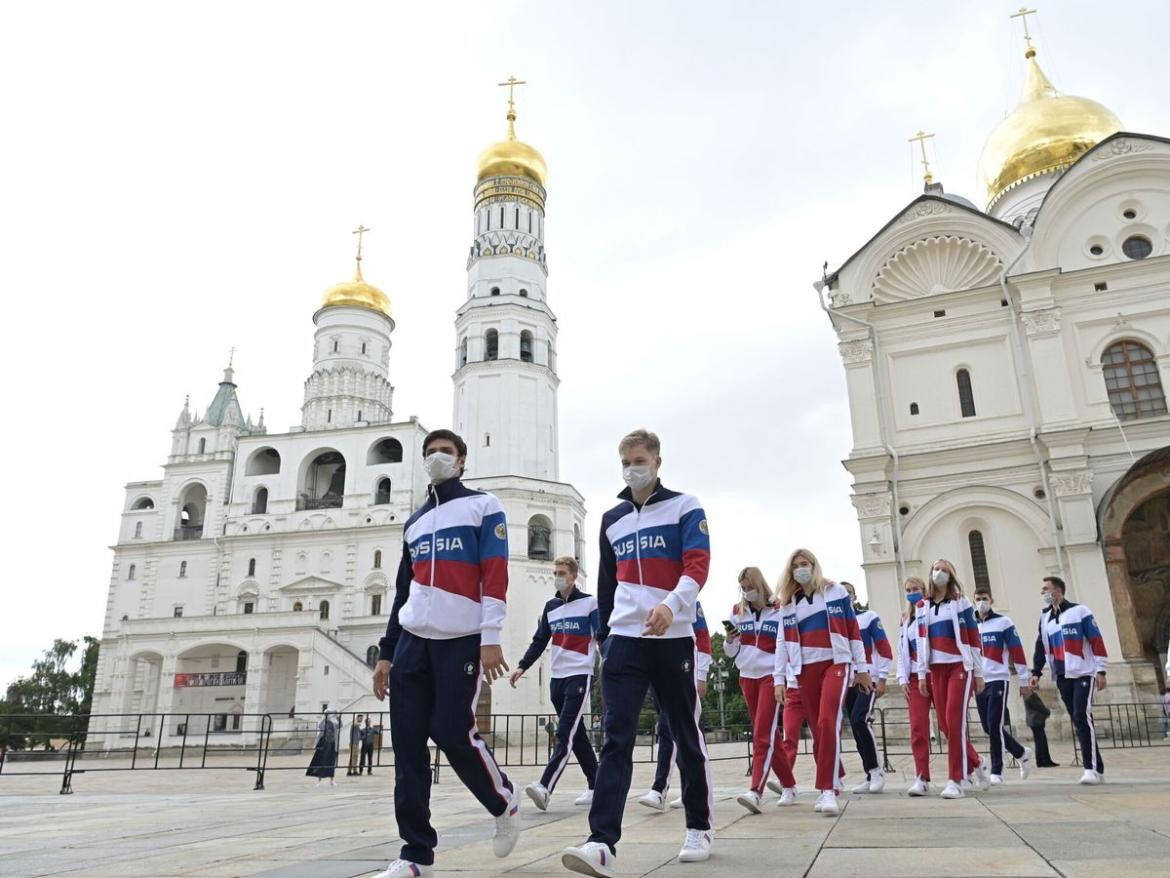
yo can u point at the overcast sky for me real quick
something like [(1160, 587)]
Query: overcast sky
[(182, 178)]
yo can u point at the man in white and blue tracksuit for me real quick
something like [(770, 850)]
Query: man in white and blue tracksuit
[(570, 620), (1001, 645), (441, 643), (1071, 642), (655, 553)]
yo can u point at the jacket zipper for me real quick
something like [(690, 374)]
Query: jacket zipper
[(638, 535), (434, 530)]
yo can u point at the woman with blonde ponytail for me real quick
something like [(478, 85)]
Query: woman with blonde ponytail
[(823, 654), (750, 637)]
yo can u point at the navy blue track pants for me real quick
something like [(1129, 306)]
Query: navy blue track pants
[(570, 696), (992, 705), (434, 687), (859, 709), (1077, 695)]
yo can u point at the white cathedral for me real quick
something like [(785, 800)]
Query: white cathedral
[(257, 574), (1006, 369)]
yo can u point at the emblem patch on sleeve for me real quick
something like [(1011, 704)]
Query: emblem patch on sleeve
[(703, 527), (501, 531)]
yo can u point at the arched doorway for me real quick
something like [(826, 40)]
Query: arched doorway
[(1134, 523)]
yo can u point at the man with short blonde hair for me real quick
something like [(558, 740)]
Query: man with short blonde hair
[(641, 437)]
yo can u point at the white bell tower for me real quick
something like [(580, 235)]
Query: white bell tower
[(505, 346)]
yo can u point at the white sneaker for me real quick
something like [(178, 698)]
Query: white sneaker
[(405, 869), (676, 804), (332, 782), (1025, 763), (952, 791), (539, 795), (750, 800), (697, 847), (591, 858), (920, 787), (507, 828), (862, 787), (654, 800), (827, 803), (320, 780), (1090, 778), (787, 797), (774, 786), (966, 786), (877, 780), (981, 776), (586, 798), (996, 780)]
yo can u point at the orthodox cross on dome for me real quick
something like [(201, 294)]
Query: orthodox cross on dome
[(921, 137), (359, 231), (1023, 16), (231, 355), (511, 83)]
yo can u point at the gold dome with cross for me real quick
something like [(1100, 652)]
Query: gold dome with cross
[(512, 157), (357, 293)]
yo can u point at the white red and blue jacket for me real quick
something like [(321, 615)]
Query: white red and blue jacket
[(1001, 642), (877, 645), (754, 650), (948, 634), (658, 554), (1071, 642), (820, 628), (453, 578), (908, 650), (702, 643), (572, 626)]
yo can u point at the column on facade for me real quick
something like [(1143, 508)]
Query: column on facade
[(166, 695), (254, 700), (1050, 371)]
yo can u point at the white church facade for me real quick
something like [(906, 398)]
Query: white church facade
[(1007, 371), (255, 577)]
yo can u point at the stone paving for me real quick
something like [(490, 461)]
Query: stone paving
[(211, 823)]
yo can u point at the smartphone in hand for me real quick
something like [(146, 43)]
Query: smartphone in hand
[(730, 628)]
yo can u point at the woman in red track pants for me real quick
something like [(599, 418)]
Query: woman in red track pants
[(909, 675)]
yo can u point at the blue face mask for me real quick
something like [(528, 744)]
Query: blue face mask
[(914, 597)]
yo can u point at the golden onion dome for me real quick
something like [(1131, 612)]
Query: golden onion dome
[(512, 158), (357, 293), (1047, 132)]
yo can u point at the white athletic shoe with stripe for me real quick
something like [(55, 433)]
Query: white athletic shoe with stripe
[(539, 795), (405, 869), (591, 858), (1025, 763), (507, 827), (774, 786), (653, 800), (586, 798), (697, 846), (827, 803), (751, 801), (1090, 778)]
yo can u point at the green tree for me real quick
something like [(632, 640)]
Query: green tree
[(44, 705)]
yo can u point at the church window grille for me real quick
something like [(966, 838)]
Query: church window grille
[(251, 566), (1137, 247), (463, 352), (372, 654), (376, 605), (178, 612), (138, 530), (491, 345), (202, 445), (913, 408), (323, 611), (298, 606), (132, 573), (966, 394), (979, 560), (182, 570), (1132, 381), (381, 498), (260, 502), (495, 291), (526, 346), (377, 559), (241, 662)]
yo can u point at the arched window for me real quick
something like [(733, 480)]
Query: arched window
[(979, 559), (298, 606), (1132, 381), (137, 530), (526, 346), (463, 352), (336, 344), (966, 395), (491, 345), (524, 294), (143, 503), (263, 462), (495, 291), (241, 662), (375, 605), (540, 538), (578, 546), (132, 572), (260, 501), (182, 570), (372, 655), (377, 559), (192, 505), (323, 611), (251, 566), (388, 450), (323, 482), (551, 356), (382, 492), (202, 445)]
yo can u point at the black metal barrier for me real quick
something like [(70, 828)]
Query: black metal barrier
[(67, 745)]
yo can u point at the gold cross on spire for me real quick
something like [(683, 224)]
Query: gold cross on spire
[(511, 83), (231, 355), (921, 137), (1023, 16), (359, 231)]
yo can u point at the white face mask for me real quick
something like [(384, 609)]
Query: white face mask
[(802, 575), (983, 606), (940, 577), (1046, 599), (440, 466), (638, 477), (750, 595), (561, 582)]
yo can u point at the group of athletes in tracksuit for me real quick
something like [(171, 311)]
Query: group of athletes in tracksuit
[(807, 649)]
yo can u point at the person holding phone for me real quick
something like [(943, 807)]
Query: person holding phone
[(752, 634), (824, 655)]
